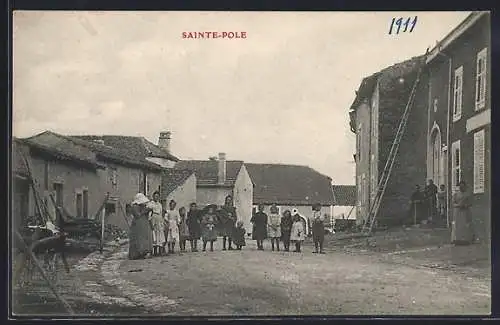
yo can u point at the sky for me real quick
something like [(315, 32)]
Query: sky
[(281, 95)]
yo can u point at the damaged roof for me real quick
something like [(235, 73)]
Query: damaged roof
[(58, 142), (207, 171), (289, 185), (135, 145), (387, 80), (345, 195)]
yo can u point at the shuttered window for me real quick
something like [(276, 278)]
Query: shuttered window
[(86, 203), (481, 74), (457, 94), (479, 162), (456, 163), (79, 205)]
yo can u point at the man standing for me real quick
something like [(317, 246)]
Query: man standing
[(431, 198), (318, 229), (416, 204)]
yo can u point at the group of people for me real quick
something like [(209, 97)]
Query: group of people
[(289, 228), (155, 231), (432, 203), (429, 204)]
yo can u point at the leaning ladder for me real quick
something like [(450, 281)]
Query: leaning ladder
[(382, 185)]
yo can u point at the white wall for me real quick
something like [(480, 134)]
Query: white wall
[(339, 209), (184, 194), (165, 163), (243, 197)]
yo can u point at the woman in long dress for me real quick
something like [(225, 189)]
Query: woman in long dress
[(274, 227), (183, 229), (158, 224), (172, 219), (461, 228), (259, 221), (228, 222), (194, 225), (141, 235), (286, 229)]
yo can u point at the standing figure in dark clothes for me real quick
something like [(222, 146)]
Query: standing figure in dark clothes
[(442, 206), (431, 198), (228, 219), (209, 233), (194, 225), (286, 229), (318, 229), (417, 205), (259, 221)]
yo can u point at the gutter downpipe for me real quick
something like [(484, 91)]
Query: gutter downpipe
[(449, 188)]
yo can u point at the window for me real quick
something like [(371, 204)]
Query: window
[(435, 104), (46, 175), (113, 177), (110, 208), (373, 176), (359, 191), (457, 94), (146, 184), (479, 162), (85, 203), (481, 79), (363, 190), (456, 162), (79, 205), (58, 189), (358, 144), (360, 139)]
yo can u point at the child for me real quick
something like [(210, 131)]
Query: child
[(183, 229), (239, 235), (298, 232), (318, 229), (172, 219), (209, 233), (274, 227)]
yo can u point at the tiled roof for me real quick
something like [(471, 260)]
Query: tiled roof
[(136, 146), (90, 149), (345, 195), (172, 179), (207, 171), (64, 151), (289, 185)]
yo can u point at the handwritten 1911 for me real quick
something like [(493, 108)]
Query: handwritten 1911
[(397, 24)]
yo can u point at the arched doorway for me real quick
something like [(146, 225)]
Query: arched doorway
[(436, 157)]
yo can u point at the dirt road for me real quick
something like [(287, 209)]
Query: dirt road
[(252, 282)]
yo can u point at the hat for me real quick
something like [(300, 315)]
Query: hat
[(140, 199)]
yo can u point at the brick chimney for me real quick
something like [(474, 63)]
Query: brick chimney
[(221, 175), (164, 140)]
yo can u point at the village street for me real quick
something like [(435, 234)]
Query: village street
[(432, 279), (252, 282)]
